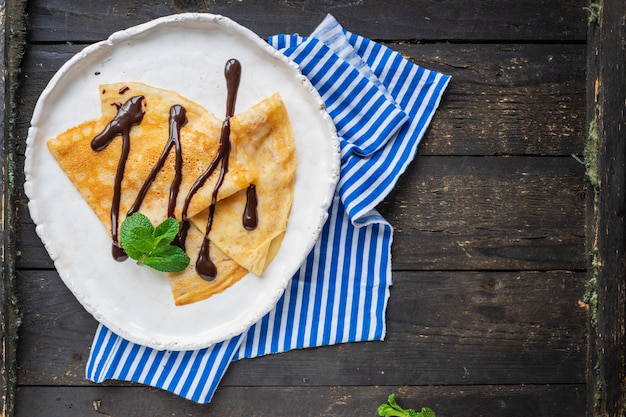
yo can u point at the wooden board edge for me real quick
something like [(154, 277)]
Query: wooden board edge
[(606, 224), (12, 29)]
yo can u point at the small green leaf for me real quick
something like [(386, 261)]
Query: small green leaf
[(136, 220), (137, 242), (165, 233), (167, 259), (151, 246), (128, 238)]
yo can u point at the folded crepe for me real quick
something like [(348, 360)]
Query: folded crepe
[(264, 133), (262, 153)]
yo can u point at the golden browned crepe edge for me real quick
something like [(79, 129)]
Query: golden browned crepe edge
[(187, 287)]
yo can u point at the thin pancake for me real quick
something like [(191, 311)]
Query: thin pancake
[(264, 132)]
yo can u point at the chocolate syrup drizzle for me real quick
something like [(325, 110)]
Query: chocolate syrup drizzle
[(178, 119), (205, 267), (131, 113), (128, 115)]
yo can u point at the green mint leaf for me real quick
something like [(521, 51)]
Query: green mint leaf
[(167, 259), (137, 242), (129, 239), (152, 246), (165, 233), (135, 220)]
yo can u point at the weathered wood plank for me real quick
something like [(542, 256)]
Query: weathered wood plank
[(7, 354), (462, 213), (506, 99), (332, 401), (606, 223), (520, 99), (76, 20), (489, 213), (452, 327), (12, 31)]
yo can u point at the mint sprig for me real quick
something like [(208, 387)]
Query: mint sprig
[(392, 409), (152, 246)]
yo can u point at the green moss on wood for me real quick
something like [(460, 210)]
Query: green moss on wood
[(591, 294), (594, 12), (590, 155)]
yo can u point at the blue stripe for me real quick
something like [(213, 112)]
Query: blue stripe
[(304, 308), (362, 104), (145, 356), (309, 54), (378, 299), (337, 243), (358, 272), (171, 358), (213, 353), (100, 375), (384, 285), (319, 289), (306, 51), (134, 348), (262, 331), (275, 333), (369, 278), (391, 63), (195, 369), (293, 295), (333, 93), (101, 333), (222, 366), (154, 367), (180, 370), (346, 273)]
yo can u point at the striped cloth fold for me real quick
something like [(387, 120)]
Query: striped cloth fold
[(381, 105)]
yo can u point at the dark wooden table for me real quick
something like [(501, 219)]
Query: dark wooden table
[(487, 314)]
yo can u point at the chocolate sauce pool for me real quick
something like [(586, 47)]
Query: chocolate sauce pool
[(131, 113), (250, 219)]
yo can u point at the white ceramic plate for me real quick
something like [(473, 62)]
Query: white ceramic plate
[(185, 53)]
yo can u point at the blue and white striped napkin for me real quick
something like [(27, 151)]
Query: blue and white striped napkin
[(381, 105)]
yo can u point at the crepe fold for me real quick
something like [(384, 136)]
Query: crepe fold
[(262, 153)]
